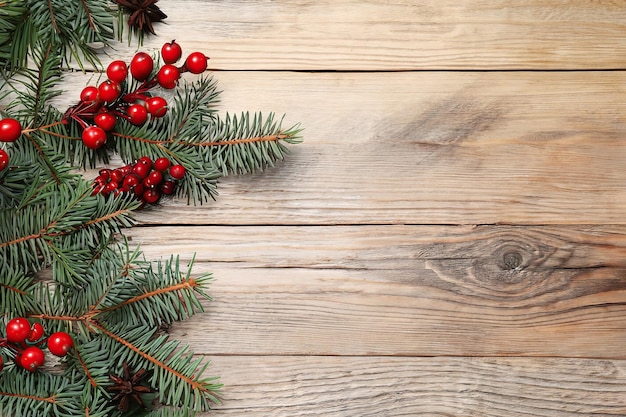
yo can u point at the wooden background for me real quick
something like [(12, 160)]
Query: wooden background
[(450, 238)]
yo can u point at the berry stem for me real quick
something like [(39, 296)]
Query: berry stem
[(43, 128)]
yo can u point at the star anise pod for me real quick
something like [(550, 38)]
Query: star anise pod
[(128, 388), (142, 14)]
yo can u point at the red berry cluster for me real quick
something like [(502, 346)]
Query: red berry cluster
[(100, 107), (10, 130), (147, 180), (26, 340)]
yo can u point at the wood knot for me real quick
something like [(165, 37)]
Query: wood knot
[(511, 260)]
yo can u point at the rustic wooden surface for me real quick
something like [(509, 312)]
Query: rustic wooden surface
[(450, 238)]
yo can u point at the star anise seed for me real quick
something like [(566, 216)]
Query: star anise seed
[(142, 14), (128, 387)]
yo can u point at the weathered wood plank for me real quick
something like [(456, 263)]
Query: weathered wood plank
[(405, 290), (399, 35), (383, 386), (444, 148)]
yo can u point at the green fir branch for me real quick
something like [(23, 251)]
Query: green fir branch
[(245, 144), (15, 291), (42, 394), (175, 370), (159, 295), (56, 213)]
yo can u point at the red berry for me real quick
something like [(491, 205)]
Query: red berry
[(89, 94), (10, 130), (17, 330), (171, 52), (144, 160), (177, 172), (141, 66), (109, 91), (117, 71), (94, 137), (105, 173), (1, 363), (131, 180), (151, 196), (157, 106), (196, 62), (60, 343), (4, 159), (141, 170), (137, 114), (162, 164), (168, 187), (32, 358), (168, 76), (117, 175), (105, 120), (154, 178), (138, 190), (36, 333)]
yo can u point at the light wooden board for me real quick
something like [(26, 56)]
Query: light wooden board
[(434, 148), (405, 290), (427, 148), (290, 386), (398, 35), (444, 243)]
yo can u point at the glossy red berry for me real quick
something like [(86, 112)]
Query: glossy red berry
[(168, 187), (171, 52), (89, 94), (10, 130), (1, 363), (32, 358), (117, 71), (106, 121), (36, 333), (131, 180), (154, 178), (60, 343), (145, 160), (17, 330), (117, 175), (141, 66), (137, 114), (168, 76), (196, 62), (157, 106), (109, 91), (141, 170), (138, 190), (177, 172), (94, 137), (4, 159), (162, 164), (151, 196)]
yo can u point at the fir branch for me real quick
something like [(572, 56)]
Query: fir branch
[(41, 394), (70, 210), (53, 19), (175, 368), (15, 291)]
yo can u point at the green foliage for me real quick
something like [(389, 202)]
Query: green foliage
[(64, 260)]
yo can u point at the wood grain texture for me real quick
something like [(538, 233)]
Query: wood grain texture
[(443, 387), (399, 35), (426, 148), (405, 290), (444, 243)]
